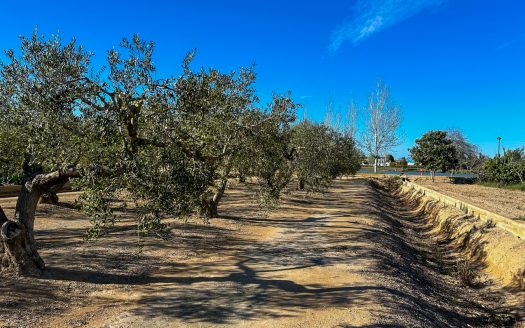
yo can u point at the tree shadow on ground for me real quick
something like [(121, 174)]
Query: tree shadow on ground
[(240, 278), (412, 287)]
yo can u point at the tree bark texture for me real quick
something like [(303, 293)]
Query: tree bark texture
[(300, 185), (211, 206), (18, 249)]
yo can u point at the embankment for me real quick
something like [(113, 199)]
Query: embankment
[(488, 245)]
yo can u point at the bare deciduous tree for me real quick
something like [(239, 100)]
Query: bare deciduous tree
[(383, 118), (350, 125), (342, 121), (467, 153)]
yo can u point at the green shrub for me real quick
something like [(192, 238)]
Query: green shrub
[(505, 170)]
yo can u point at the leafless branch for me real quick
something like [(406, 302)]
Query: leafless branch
[(383, 120)]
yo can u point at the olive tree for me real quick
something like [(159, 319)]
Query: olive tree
[(40, 92), (223, 134), (139, 154), (515, 159), (269, 154), (345, 155), (108, 133)]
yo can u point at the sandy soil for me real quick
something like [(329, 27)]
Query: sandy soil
[(509, 203), (354, 257)]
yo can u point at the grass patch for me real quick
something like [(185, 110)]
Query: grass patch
[(516, 186), (466, 273)]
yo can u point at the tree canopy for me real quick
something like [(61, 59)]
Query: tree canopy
[(170, 144), (435, 151)]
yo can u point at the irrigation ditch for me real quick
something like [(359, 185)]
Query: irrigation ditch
[(482, 250)]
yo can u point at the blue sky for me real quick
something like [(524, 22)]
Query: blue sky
[(449, 63)]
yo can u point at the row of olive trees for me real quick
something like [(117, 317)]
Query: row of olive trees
[(170, 145)]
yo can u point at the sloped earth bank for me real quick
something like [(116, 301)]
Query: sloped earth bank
[(498, 253), (358, 256)]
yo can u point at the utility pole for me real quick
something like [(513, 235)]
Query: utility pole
[(499, 144)]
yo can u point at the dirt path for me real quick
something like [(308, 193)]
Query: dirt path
[(355, 257)]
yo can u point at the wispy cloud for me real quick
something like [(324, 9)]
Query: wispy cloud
[(511, 42), (374, 16)]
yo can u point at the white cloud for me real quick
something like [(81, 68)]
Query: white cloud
[(373, 16)]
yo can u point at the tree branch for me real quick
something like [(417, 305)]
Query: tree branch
[(44, 181), (92, 104)]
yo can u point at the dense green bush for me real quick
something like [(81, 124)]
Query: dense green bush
[(507, 169)]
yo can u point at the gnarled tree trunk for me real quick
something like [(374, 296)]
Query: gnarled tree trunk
[(18, 251), (242, 176), (300, 184), (211, 206), (19, 254)]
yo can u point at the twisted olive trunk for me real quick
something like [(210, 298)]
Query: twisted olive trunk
[(300, 184), (242, 176), (18, 249), (211, 207)]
